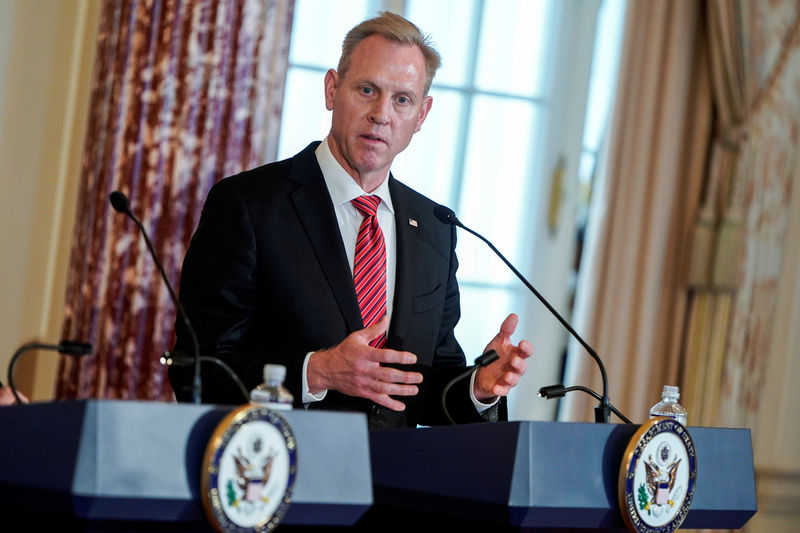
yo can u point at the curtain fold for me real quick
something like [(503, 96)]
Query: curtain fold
[(685, 243), (185, 92), (755, 67), (630, 302)]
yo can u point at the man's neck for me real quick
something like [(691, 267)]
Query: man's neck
[(368, 182)]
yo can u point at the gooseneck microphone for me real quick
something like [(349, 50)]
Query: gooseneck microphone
[(484, 360), (65, 347), (557, 391), (122, 205), (177, 359), (602, 411)]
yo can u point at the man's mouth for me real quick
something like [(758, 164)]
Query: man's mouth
[(374, 138)]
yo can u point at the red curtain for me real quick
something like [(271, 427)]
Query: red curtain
[(184, 93)]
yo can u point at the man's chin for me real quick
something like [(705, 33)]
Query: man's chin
[(370, 163)]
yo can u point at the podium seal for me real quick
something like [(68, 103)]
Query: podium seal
[(249, 470), (657, 477)]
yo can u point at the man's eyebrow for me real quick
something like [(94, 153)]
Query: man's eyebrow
[(364, 81)]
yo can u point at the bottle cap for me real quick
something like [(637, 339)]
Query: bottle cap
[(274, 372), (671, 390)]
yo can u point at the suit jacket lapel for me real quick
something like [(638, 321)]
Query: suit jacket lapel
[(315, 210), (407, 244)]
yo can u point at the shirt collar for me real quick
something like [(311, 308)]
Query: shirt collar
[(341, 186)]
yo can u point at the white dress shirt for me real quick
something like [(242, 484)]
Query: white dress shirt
[(342, 189)]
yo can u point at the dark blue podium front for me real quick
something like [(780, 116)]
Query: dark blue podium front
[(118, 462), (543, 475), (135, 466)]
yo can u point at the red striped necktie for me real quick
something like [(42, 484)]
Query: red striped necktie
[(369, 270)]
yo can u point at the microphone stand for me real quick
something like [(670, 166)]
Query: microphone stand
[(65, 347), (484, 360), (122, 205), (174, 359), (557, 391), (602, 412)]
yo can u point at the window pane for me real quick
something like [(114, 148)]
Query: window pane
[(304, 118), (586, 167), (428, 164), (450, 24), (510, 58), (482, 312), (602, 82), (319, 28), (494, 197)]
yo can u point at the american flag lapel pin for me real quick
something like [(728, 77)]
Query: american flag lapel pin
[(412, 222)]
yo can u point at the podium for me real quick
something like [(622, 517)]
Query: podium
[(135, 466), (116, 466), (543, 475)]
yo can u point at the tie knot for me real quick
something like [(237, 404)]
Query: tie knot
[(367, 205)]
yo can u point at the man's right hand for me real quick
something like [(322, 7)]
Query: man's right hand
[(353, 367)]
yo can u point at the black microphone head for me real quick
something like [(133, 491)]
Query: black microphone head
[(552, 391), (445, 214), (68, 347), (120, 202), (487, 358)]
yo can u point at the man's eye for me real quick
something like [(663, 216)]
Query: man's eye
[(366, 90), (403, 100)]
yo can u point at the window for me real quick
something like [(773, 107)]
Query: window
[(506, 123)]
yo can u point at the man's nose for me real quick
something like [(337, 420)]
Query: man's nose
[(381, 108)]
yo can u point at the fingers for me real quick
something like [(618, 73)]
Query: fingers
[(525, 349), (383, 392), (500, 377), (519, 364), (506, 382), (355, 368), (393, 375), (509, 325), (386, 355), (389, 403)]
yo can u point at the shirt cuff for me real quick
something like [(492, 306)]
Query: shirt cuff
[(479, 405), (308, 397)]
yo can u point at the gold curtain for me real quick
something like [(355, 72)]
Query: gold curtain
[(739, 236), (630, 299), (185, 92)]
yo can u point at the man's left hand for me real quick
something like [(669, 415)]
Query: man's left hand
[(501, 376)]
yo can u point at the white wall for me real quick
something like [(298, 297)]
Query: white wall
[(46, 55)]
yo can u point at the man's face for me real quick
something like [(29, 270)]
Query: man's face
[(377, 107)]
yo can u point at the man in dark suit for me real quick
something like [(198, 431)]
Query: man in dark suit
[(290, 265)]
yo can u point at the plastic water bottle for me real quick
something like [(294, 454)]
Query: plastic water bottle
[(272, 393), (669, 406)]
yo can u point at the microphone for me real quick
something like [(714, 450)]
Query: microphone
[(121, 204), (484, 360), (557, 391), (66, 347), (602, 411), (177, 359)]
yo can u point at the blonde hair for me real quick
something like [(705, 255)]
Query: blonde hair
[(397, 29)]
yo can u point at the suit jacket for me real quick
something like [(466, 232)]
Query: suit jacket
[(266, 279)]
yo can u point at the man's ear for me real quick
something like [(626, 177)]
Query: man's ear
[(427, 102), (331, 84)]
